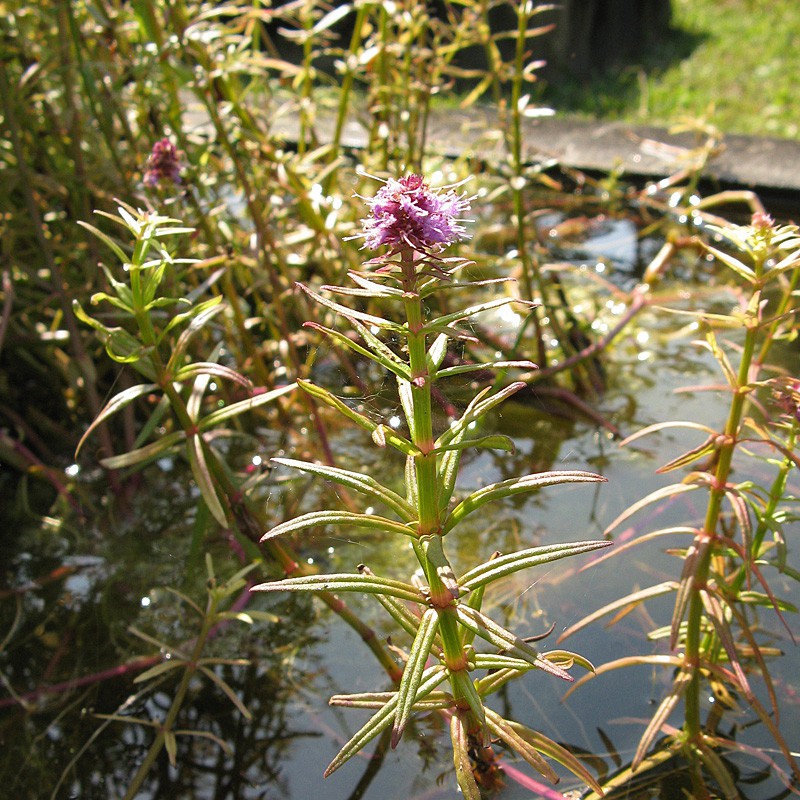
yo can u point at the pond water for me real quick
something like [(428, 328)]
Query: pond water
[(79, 622)]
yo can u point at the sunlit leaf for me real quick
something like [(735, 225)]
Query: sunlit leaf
[(364, 484), (380, 721), (413, 671), (343, 582), (213, 419), (117, 403), (505, 565), (514, 486), (495, 634), (200, 471), (315, 519)]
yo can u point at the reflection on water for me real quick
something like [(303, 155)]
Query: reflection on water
[(77, 624)]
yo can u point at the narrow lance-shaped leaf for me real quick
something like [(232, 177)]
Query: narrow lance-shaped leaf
[(479, 406), (462, 369), (191, 371), (413, 671), (117, 403), (379, 357), (242, 406), (512, 486), (146, 453), (510, 737), (505, 565), (398, 442), (555, 751), (197, 461), (344, 582), (448, 319), (314, 519), (493, 633), (364, 484), (383, 718), (350, 313), (461, 758)]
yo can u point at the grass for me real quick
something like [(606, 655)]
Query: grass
[(733, 63)]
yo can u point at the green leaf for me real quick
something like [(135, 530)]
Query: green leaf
[(464, 687), (501, 728), (557, 752), (230, 693), (197, 461), (344, 582), (191, 371), (505, 565), (118, 251), (461, 758), (378, 356), (350, 314), (731, 262), (117, 403), (242, 406), (494, 442), (462, 369), (99, 297), (512, 486), (398, 442), (498, 636), (314, 519), (447, 319), (364, 484), (143, 454), (413, 671), (159, 669), (383, 718), (478, 407), (199, 315)]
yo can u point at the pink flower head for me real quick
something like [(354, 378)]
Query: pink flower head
[(163, 164), (406, 212)]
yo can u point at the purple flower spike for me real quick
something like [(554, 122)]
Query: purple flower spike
[(407, 213), (163, 165)]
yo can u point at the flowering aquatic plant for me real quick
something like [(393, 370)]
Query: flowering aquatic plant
[(406, 212), (163, 165), (443, 615)]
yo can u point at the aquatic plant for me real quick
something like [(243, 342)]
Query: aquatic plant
[(713, 636), (442, 611)]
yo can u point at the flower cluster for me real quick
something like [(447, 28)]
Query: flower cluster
[(406, 212), (163, 165)]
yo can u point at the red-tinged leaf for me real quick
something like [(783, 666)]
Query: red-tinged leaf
[(632, 599), (679, 685), (191, 371), (669, 492), (512, 738), (459, 738), (690, 456), (694, 556), (660, 426), (555, 751), (643, 539)]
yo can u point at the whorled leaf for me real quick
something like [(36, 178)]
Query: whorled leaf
[(315, 519), (508, 564), (513, 486), (413, 672), (344, 582)]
